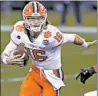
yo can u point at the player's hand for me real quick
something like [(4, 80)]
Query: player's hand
[(92, 43), (85, 74), (15, 60)]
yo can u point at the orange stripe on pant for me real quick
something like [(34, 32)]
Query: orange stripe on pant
[(35, 85)]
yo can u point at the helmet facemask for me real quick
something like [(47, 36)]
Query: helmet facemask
[(35, 23)]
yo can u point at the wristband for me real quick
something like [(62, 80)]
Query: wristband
[(84, 45)]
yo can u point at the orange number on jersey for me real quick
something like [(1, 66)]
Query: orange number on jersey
[(38, 55), (58, 37)]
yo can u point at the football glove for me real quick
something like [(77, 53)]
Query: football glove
[(85, 74)]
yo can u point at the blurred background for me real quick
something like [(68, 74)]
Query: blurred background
[(78, 17)]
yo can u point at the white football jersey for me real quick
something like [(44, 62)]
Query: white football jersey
[(45, 50)]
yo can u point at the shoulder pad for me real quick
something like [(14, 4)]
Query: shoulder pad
[(19, 26), (17, 31), (54, 30)]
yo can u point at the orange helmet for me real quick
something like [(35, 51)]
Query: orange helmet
[(34, 15)]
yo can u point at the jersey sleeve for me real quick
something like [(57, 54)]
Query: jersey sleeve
[(16, 32), (8, 49), (68, 38), (62, 38), (57, 37), (15, 38)]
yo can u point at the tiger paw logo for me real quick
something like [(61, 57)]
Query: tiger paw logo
[(19, 28), (47, 34)]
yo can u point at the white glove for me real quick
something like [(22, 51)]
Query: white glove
[(15, 60)]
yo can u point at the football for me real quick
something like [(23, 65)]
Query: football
[(21, 52)]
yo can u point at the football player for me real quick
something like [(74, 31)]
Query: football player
[(85, 74), (43, 41)]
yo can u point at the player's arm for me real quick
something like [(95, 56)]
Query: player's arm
[(81, 41), (7, 51), (87, 73), (76, 39), (63, 38), (7, 56)]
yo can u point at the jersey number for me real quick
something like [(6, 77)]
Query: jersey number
[(58, 37), (38, 55)]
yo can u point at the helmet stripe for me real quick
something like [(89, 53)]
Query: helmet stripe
[(35, 7)]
